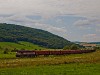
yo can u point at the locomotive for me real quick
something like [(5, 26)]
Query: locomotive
[(27, 53)]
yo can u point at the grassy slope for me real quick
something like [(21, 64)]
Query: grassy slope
[(20, 45)]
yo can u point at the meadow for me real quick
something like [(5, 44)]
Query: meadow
[(62, 69), (11, 46), (73, 64), (21, 45)]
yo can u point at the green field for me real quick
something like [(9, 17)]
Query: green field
[(20, 45), (74, 64), (63, 69)]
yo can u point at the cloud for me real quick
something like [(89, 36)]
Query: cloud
[(50, 8), (89, 35), (91, 38), (82, 23), (88, 21), (22, 20), (51, 28)]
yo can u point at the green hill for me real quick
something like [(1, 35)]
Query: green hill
[(19, 46), (15, 33)]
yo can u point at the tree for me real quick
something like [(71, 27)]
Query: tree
[(71, 47), (15, 33), (74, 47), (66, 48)]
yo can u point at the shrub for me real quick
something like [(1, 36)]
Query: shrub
[(71, 47), (74, 47), (6, 51)]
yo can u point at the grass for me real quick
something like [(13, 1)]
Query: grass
[(9, 55), (74, 64), (20, 45), (51, 60), (63, 69), (79, 64)]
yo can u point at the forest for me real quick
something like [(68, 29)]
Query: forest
[(15, 33)]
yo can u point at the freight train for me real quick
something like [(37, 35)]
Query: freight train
[(24, 53)]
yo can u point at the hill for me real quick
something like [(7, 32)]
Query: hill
[(94, 42), (21, 45), (15, 33)]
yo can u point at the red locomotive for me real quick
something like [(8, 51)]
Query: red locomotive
[(23, 53)]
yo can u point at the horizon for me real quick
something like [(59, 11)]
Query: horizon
[(73, 20)]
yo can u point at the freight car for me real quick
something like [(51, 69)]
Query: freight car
[(23, 53)]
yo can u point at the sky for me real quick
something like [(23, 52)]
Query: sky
[(74, 20)]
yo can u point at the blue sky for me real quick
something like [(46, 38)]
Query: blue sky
[(75, 20)]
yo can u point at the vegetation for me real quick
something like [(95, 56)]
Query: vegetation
[(51, 60), (21, 45), (63, 69), (8, 49), (78, 64), (15, 33), (71, 47), (94, 43), (74, 64)]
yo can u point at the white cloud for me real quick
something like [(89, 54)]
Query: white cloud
[(89, 35), (82, 23), (51, 7), (88, 21), (91, 38)]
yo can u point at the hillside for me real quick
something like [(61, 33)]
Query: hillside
[(15, 33), (21, 45)]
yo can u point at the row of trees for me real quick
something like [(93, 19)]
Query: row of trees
[(76, 47), (71, 47)]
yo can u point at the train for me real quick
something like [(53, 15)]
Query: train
[(33, 53)]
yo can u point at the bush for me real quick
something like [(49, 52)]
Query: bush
[(71, 47), (14, 50), (74, 47), (66, 48), (6, 51)]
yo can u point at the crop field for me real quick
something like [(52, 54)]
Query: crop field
[(75, 64)]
